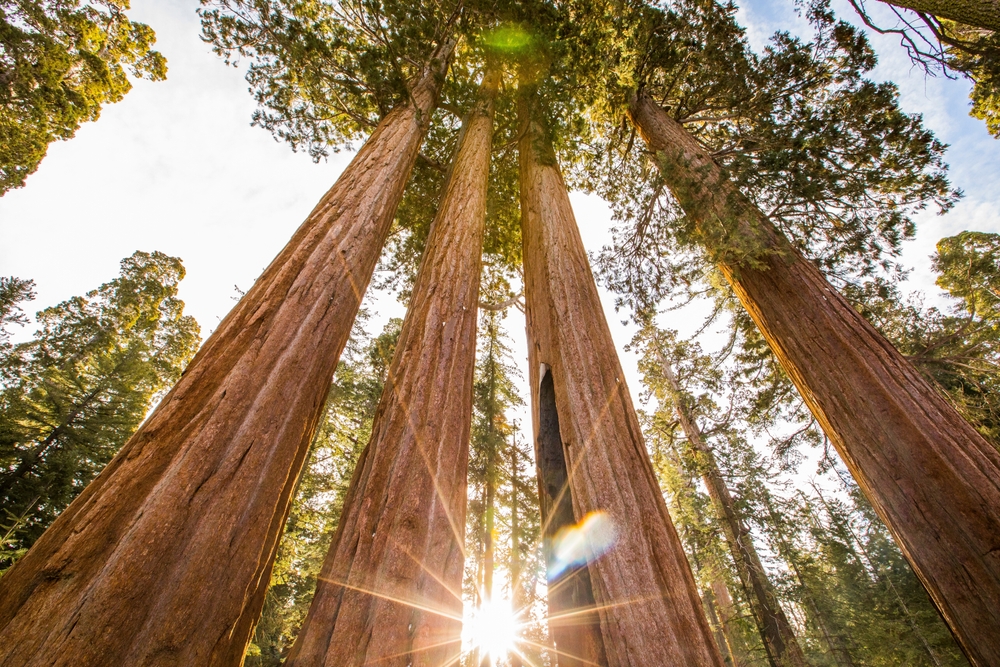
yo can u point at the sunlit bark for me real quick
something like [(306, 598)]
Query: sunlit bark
[(390, 591), (931, 477), (164, 559), (649, 607)]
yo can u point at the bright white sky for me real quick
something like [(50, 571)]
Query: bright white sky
[(176, 167)]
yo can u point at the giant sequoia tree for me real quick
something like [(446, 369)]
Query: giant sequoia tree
[(908, 449)]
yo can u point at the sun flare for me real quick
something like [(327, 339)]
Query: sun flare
[(492, 628)]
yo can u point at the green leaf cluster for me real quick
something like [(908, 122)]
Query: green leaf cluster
[(73, 395), (60, 62)]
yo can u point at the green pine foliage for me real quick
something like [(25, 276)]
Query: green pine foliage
[(840, 578), (60, 62), (77, 391)]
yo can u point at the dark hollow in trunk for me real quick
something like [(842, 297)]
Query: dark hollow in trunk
[(574, 625)]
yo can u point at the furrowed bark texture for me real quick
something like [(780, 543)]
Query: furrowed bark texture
[(390, 591), (649, 606), (164, 559), (931, 477), (978, 13), (776, 632), (575, 631)]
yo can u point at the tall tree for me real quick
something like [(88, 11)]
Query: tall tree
[(646, 597), (902, 441), (907, 447), (390, 588), (83, 385), (62, 60), (229, 440)]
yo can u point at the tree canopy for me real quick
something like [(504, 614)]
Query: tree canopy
[(60, 62)]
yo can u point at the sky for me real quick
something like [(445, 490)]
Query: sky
[(176, 167)]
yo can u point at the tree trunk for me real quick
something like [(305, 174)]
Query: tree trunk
[(776, 632), (165, 557), (977, 13), (516, 598), (727, 615), (931, 477), (820, 615), (717, 629), (390, 591), (650, 610)]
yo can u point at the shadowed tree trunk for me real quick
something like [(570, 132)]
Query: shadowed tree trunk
[(650, 610), (390, 588), (931, 477), (978, 13), (165, 558), (776, 632)]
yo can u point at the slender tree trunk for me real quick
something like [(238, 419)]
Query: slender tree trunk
[(931, 477), (650, 609), (164, 559), (834, 639), (516, 598), (390, 590), (727, 615), (717, 628), (776, 632), (978, 13)]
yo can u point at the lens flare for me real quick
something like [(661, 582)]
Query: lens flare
[(583, 543), (508, 39)]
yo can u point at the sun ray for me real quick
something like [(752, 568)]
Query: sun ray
[(392, 598)]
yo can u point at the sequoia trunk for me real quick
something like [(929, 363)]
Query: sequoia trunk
[(931, 477), (390, 590), (978, 13), (164, 559), (649, 607), (780, 644)]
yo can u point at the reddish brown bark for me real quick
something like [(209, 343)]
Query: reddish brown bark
[(776, 632), (390, 588), (931, 477), (165, 558), (650, 610)]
